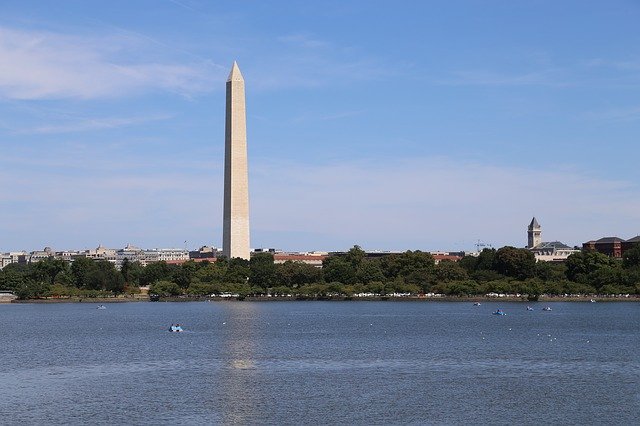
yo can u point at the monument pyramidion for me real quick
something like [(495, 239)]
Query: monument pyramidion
[(235, 234)]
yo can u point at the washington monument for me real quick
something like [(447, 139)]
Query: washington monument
[(235, 234)]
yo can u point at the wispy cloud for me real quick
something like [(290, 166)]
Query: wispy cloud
[(303, 60), (547, 77), (48, 65), (84, 125), (303, 40), (616, 115), (437, 203), (426, 203), (328, 117)]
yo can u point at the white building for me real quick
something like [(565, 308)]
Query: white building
[(546, 251)]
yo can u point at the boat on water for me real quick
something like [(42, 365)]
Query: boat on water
[(546, 308), (477, 304), (592, 301), (529, 308), (499, 312), (101, 307), (175, 328)]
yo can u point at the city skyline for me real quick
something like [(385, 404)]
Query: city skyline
[(428, 127)]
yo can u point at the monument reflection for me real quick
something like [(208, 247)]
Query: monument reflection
[(239, 373)]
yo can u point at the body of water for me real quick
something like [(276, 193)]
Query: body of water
[(320, 363)]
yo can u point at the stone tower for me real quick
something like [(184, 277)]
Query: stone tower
[(534, 232), (235, 234)]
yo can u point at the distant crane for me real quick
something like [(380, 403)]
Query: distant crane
[(481, 244)]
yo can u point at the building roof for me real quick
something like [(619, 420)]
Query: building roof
[(556, 245), (606, 240), (534, 224)]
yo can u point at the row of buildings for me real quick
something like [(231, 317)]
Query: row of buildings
[(179, 256), (545, 251), (115, 256), (556, 251)]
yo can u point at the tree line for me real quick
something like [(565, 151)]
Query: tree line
[(505, 270)]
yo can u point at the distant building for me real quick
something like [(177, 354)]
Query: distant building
[(144, 257), (451, 257), (534, 234), (205, 252), (546, 251), (611, 246), (38, 255), (13, 257), (310, 258)]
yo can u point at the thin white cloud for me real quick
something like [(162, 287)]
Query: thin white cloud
[(303, 40), (47, 65), (547, 77), (84, 125), (306, 61), (432, 202), (425, 203), (616, 115)]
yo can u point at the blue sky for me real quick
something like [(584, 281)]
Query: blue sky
[(393, 125)]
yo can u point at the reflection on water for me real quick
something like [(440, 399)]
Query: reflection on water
[(236, 382), (319, 363)]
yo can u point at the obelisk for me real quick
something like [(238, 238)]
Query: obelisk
[(235, 234)]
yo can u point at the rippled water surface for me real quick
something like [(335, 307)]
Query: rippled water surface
[(320, 363)]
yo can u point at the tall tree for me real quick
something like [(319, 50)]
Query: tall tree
[(515, 262), (262, 270)]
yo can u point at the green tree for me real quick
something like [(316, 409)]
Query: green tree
[(131, 272), (165, 288), (237, 271), (184, 274), (50, 268), (631, 257), (105, 276), (468, 263), (355, 256), (486, 260), (369, 270), (211, 272), (447, 271), (550, 271), (12, 277), (80, 269), (414, 266), (292, 274), (514, 262), (581, 265), (156, 271), (338, 269), (262, 270)]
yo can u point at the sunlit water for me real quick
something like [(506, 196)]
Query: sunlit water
[(320, 363)]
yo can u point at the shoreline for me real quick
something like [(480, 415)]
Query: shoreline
[(459, 299)]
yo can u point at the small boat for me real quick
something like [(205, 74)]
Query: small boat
[(101, 307), (546, 308), (175, 328), (499, 312), (592, 301), (529, 308), (476, 304)]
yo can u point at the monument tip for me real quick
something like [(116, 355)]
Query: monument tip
[(235, 74)]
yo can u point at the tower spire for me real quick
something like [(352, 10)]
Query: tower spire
[(235, 233), (534, 234)]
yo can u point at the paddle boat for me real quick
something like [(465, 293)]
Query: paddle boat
[(499, 312), (175, 328), (546, 308), (476, 304)]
